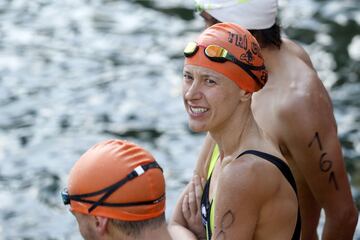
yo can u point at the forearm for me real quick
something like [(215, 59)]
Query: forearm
[(177, 218), (186, 219), (179, 232), (341, 227)]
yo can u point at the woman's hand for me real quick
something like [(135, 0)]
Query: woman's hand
[(191, 207)]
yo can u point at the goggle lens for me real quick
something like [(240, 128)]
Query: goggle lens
[(216, 53), (190, 49)]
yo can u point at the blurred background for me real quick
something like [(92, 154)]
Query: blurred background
[(75, 72)]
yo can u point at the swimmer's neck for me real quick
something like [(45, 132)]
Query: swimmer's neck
[(160, 233), (237, 134), (156, 232), (270, 57)]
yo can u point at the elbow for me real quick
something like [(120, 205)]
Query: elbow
[(353, 216), (346, 217), (173, 222)]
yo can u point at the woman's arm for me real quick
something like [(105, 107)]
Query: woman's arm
[(187, 210), (237, 202), (253, 200)]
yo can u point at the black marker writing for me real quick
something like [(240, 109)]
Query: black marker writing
[(226, 222), (333, 179), (325, 164), (317, 138)]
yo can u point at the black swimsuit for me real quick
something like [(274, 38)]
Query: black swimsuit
[(285, 170)]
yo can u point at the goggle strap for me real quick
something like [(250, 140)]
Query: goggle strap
[(109, 190), (129, 177), (247, 68), (105, 204), (252, 75)]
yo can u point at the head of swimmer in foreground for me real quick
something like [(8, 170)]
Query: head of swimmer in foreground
[(222, 69), (116, 190)]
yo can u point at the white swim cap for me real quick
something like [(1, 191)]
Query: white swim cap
[(251, 14)]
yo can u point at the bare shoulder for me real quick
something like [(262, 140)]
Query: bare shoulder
[(308, 89), (298, 50), (308, 101), (251, 175), (307, 109), (298, 84), (246, 188), (303, 92)]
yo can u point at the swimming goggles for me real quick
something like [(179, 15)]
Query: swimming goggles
[(138, 171), (219, 54)]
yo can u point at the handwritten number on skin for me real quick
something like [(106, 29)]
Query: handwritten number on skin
[(317, 138), (333, 179), (226, 222), (324, 163)]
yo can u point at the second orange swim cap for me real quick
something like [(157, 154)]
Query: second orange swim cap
[(108, 163)]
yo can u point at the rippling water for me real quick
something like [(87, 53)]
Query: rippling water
[(75, 72)]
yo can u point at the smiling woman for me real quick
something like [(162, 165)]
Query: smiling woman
[(248, 187), (209, 97)]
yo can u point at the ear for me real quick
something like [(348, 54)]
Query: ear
[(245, 96), (101, 225)]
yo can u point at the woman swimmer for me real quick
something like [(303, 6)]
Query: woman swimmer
[(250, 192)]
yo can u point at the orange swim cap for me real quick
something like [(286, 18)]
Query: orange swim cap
[(140, 196), (242, 45)]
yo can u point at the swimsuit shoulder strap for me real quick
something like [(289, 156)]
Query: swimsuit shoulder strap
[(280, 164), (285, 170), (214, 157)]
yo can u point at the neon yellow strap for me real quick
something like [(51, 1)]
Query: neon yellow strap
[(214, 157)]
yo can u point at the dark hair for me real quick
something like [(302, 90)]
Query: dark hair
[(134, 228), (268, 37)]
